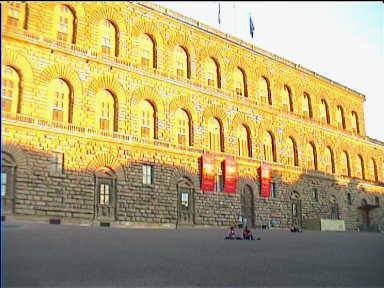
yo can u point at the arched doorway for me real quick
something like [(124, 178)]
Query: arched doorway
[(185, 202), (247, 206), (105, 194), (8, 173), (365, 213), (296, 209)]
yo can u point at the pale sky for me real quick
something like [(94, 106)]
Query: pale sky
[(343, 41)]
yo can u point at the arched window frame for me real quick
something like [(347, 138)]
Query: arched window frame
[(105, 47), (183, 73), (330, 169), (62, 23), (314, 153), (340, 116), (361, 166), (327, 116), (273, 148), (9, 102), (61, 106), (102, 119), (247, 150), (373, 170), (217, 74), (287, 106), (184, 137), (293, 154), (346, 168), (355, 123), (242, 90), (214, 137), (149, 123), (308, 105)]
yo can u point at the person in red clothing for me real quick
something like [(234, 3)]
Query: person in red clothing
[(247, 234), (231, 234)]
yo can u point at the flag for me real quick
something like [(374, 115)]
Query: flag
[(218, 16), (251, 27)]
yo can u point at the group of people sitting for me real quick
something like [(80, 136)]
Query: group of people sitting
[(247, 234)]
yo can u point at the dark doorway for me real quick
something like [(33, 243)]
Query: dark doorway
[(185, 202), (247, 206)]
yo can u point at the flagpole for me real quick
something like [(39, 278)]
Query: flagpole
[(234, 19)]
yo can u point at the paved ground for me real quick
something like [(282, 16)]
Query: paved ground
[(43, 255)]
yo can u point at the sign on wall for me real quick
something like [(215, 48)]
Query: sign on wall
[(207, 172), (230, 175), (265, 179)]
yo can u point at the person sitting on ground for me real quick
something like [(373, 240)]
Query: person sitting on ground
[(247, 234), (231, 234)]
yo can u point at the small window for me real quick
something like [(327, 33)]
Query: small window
[(219, 183), (3, 184), (315, 195), (147, 174), (349, 197), (57, 167), (104, 194), (273, 190)]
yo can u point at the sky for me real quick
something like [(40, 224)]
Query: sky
[(342, 41)]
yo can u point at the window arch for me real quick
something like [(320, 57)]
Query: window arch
[(265, 91), (346, 169), (10, 90), (324, 112), (360, 173), (269, 147), (311, 156), (287, 99), (292, 152), (215, 135), (355, 123), (148, 120), (147, 51), (64, 23), (340, 117), (240, 82), (307, 107), (329, 161), (183, 124), (108, 37), (182, 62), (213, 73), (244, 141), (60, 94), (106, 110), (373, 170)]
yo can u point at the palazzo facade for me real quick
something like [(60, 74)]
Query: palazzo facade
[(107, 108)]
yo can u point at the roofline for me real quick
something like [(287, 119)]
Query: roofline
[(234, 40)]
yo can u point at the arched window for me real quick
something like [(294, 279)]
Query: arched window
[(213, 73), (108, 37), (147, 51), (307, 107), (355, 123), (182, 63), (311, 156), (147, 120), (183, 128), (244, 141), (345, 170), (340, 117), (287, 99), (269, 147), (64, 23), (360, 173), (329, 161), (215, 137), (10, 89), (240, 82), (265, 91), (372, 170), (324, 112), (292, 152), (59, 92), (106, 110), (16, 14)]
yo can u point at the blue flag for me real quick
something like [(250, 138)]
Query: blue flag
[(251, 27)]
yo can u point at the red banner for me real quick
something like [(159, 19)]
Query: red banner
[(265, 179), (230, 175), (208, 172)]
